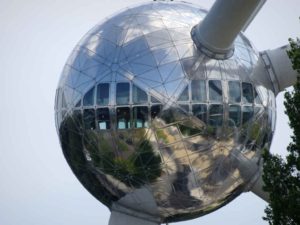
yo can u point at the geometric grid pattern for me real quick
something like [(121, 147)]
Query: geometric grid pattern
[(140, 110)]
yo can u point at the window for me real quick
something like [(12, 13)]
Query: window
[(88, 98), (89, 119), (103, 118), (102, 94), (123, 118), (138, 95), (234, 115), (247, 93), (122, 93), (200, 111), (215, 90), (140, 116), (234, 90), (247, 113), (184, 95), (198, 90), (155, 110), (216, 115)]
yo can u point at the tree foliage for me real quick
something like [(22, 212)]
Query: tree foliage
[(282, 176)]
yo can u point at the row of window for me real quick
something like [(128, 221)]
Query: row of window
[(126, 117), (122, 95), (196, 91), (139, 116), (238, 92)]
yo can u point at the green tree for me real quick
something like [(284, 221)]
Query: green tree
[(282, 176)]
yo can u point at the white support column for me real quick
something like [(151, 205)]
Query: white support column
[(257, 189), (279, 66), (260, 5), (135, 208), (214, 36), (257, 183), (118, 218)]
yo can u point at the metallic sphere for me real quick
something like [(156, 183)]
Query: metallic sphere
[(149, 123)]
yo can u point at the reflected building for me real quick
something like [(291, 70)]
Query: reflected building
[(154, 125)]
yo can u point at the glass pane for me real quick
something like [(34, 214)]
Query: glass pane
[(215, 90), (184, 95), (122, 93), (77, 117), (103, 94), (247, 93), (78, 104), (155, 110), (198, 90), (256, 97), (88, 98), (154, 100), (89, 119), (123, 118), (247, 113), (215, 115), (64, 103), (103, 118), (138, 95), (140, 116), (258, 111), (201, 112), (234, 115), (234, 89), (185, 108)]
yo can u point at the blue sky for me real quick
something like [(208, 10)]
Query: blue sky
[(37, 36)]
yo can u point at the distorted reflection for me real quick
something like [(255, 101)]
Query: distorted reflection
[(140, 110)]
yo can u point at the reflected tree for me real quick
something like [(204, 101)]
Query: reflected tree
[(135, 168), (71, 142)]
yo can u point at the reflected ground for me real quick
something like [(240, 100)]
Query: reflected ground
[(148, 123)]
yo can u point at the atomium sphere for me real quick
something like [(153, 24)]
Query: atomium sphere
[(148, 122)]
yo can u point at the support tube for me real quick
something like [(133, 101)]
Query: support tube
[(280, 68), (215, 35)]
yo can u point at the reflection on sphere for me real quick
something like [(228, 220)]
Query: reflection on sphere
[(145, 120)]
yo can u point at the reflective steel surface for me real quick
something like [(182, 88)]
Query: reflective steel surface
[(149, 123)]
